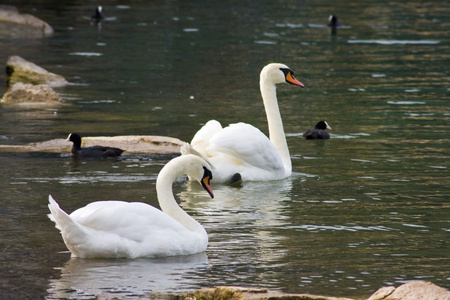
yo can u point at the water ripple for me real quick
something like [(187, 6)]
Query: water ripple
[(91, 179), (393, 42), (309, 227)]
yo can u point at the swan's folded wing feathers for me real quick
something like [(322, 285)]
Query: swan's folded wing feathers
[(130, 220), (187, 148), (248, 144), (202, 138)]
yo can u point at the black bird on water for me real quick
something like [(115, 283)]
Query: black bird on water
[(94, 151), (318, 132), (333, 22), (98, 16)]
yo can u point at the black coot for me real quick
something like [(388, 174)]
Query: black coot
[(98, 16), (318, 132), (334, 23), (94, 151)]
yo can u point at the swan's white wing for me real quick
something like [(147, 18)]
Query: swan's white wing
[(203, 137), (130, 220), (248, 144), (242, 148), (187, 148)]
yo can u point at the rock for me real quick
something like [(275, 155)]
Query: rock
[(414, 290), (224, 293), (129, 143), (11, 14), (21, 70), (26, 93), (382, 293), (229, 292)]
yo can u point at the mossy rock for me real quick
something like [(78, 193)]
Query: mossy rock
[(29, 93), (21, 70)]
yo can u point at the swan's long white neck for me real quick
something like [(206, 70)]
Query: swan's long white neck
[(166, 198), (276, 131)]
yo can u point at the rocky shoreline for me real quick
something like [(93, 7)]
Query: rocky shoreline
[(414, 290)]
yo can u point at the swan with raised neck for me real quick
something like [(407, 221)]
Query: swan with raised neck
[(243, 149)]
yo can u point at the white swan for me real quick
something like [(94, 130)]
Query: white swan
[(241, 151), (131, 229)]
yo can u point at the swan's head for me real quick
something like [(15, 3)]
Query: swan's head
[(195, 167), (206, 181), (198, 169), (278, 73)]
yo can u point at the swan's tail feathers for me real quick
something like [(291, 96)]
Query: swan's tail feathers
[(71, 231), (56, 213), (188, 149)]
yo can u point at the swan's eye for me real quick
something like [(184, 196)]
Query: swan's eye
[(289, 77), (286, 71), (207, 173)]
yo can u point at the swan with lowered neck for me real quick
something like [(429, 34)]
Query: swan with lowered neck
[(115, 229), (241, 151)]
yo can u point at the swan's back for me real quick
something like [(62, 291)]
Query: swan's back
[(249, 153), (203, 137), (240, 148)]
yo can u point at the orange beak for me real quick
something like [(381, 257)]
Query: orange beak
[(206, 184), (292, 80)]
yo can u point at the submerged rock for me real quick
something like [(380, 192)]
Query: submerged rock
[(29, 93), (11, 14), (21, 70), (129, 143)]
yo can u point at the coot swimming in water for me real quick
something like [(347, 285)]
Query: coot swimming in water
[(334, 23), (318, 132), (98, 16)]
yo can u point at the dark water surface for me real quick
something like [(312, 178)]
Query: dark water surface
[(368, 208)]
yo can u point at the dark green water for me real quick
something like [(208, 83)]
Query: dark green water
[(365, 209)]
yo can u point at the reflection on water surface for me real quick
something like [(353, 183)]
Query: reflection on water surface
[(84, 279)]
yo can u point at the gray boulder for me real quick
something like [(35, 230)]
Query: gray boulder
[(21, 70), (11, 14)]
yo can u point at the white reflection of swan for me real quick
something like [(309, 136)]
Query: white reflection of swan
[(84, 279)]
